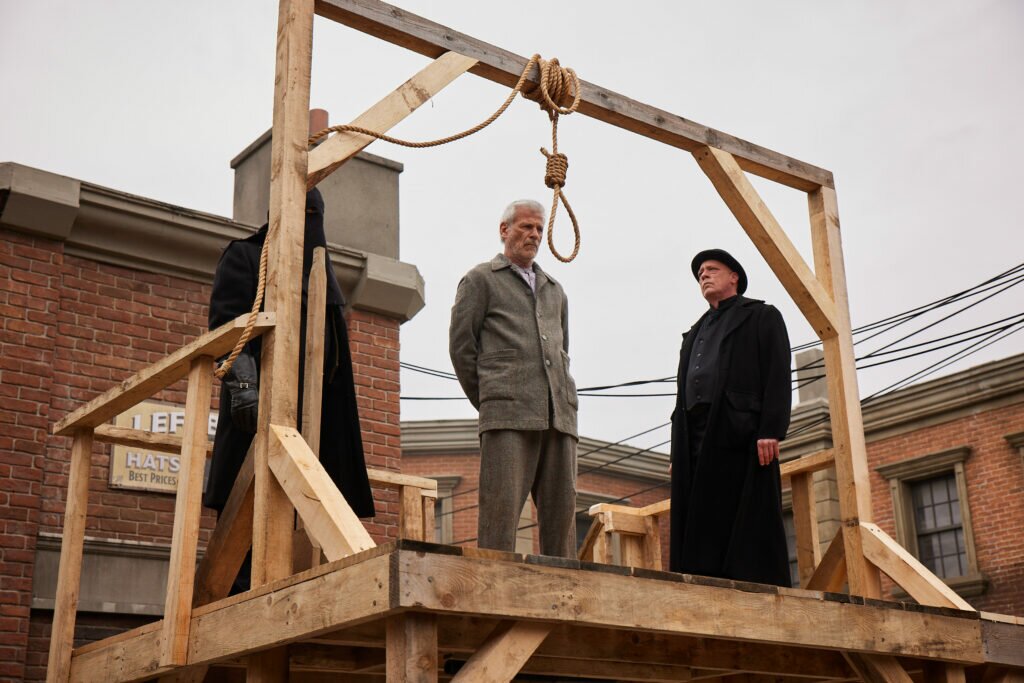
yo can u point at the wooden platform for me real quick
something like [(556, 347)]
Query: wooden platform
[(608, 622)]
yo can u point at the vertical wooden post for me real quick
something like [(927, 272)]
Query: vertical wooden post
[(306, 552), (943, 672), (850, 449), (805, 519), (273, 516), (429, 500), (412, 648), (272, 519), (69, 573), (187, 511), (652, 542), (410, 513)]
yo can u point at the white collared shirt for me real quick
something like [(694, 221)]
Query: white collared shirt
[(528, 275)]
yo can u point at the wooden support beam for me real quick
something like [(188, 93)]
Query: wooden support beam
[(187, 511), (849, 446), (387, 113), (509, 590), (69, 571), (770, 239), (386, 479), (137, 438), (830, 574), (461, 636), (877, 668), (230, 542), (159, 375), (303, 606), (306, 553), (313, 369), (805, 519), (504, 653), (942, 672), (327, 517), (907, 571), (652, 543), (272, 515), (415, 33), (428, 501), (412, 648), (410, 514), (822, 460)]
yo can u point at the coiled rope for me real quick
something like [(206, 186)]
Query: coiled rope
[(557, 93)]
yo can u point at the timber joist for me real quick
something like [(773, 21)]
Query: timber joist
[(578, 618)]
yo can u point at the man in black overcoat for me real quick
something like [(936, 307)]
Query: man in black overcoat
[(341, 445), (732, 409)]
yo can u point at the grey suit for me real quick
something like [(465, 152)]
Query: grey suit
[(509, 348)]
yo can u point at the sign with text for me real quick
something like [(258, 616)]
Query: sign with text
[(146, 469)]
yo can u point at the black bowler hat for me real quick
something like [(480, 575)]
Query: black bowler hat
[(724, 257)]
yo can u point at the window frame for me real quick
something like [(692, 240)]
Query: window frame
[(900, 475)]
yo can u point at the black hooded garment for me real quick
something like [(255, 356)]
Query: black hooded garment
[(727, 507), (341, 445)]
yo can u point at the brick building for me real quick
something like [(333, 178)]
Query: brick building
[(946, 459), (95, 284)]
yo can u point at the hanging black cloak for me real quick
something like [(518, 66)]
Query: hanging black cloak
[(341, 445)]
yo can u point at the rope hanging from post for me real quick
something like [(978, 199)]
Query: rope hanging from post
[(257, 303), (557, 93)]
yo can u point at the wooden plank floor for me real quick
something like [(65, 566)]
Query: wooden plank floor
[(611, 623)]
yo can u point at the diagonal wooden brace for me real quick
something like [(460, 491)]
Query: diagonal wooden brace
[(770, 239), (326, 515), (504, 653), (905, 569), (830, 574), (387, 113)]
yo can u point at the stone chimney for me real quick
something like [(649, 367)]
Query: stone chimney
[(811, 364), (361, 197)]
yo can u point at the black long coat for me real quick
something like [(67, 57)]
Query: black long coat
[(726, 507), (341, 445)]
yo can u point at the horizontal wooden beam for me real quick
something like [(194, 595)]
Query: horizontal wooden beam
[(394, 25), (137, 438), (381, 117), (822, 460), (159, 375), (459, 636), (393, 480), (519, 591), (300, 608)]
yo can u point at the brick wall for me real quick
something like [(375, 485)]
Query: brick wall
[(29, 296), (373, 340), (994, 475), (72, 328)]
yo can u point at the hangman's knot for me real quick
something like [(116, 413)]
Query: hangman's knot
[(558, 165)]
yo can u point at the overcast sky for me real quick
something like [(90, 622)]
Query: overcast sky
[(916, 107)]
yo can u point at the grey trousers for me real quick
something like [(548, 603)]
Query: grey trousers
[(516, 463)]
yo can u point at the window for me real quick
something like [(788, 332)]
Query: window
[(939, 526), (933, 520), (444, 508)]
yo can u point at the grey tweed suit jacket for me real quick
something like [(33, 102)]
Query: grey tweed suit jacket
[(510, 349)]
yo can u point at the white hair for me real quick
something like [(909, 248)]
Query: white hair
[(509, 214)]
